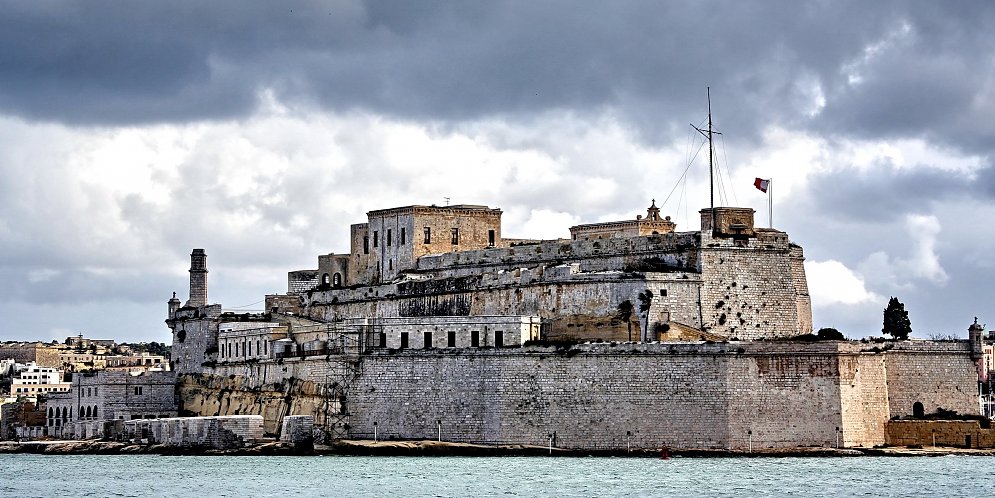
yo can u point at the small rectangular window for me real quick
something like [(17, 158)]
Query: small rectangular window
[(428, 340), (490, 238), (455, 233), (475, 339), (498, 339), (428, 235), (382, 339), (138, 390), (404, 237), (404, 340), (389, 236), (366, 244), (376, 238), (663, 292), (451, 340)]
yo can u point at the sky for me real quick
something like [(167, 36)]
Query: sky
[(131, 133)]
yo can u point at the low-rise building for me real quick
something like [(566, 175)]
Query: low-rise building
[(31, 379), (100, 397)]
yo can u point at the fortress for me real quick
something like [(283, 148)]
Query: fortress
[(629, 334)]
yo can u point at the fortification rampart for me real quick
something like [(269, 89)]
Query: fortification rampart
[(604, 396), (672, 250)]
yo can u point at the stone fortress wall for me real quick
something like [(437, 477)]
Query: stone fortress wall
[(605, 396)]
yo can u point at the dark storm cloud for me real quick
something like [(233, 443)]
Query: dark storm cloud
[(883, 193), (647, 62)]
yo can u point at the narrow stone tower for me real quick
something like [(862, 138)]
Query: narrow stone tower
[(198, 278)]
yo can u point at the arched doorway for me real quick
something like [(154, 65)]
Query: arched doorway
[(917, 410)]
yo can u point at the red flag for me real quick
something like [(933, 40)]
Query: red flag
[(761, 184)]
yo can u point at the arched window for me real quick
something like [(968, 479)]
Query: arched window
[(51, 412), (325, 279), (94, 412), (65, 412), (82, 413), (337, 280)]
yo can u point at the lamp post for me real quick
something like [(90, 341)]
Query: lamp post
[(439, 423), (934, 438), (628, 447), (749, 434), (375, 432), (837, 438)]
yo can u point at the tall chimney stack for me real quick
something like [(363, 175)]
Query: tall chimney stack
[(198, 278)]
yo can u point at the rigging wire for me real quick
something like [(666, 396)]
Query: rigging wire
[(732, 184), (247, 305)]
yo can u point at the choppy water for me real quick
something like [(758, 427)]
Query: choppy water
[(148, 475)]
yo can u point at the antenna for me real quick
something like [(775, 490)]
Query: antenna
[(447, 201), (711, 154)]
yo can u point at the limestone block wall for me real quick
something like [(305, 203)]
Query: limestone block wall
[(957, 433), (602, 396), (677, 250), (224, 432), (933, 374), (748, 292), (575, 305), (689, 396), (195, 337), (297, 429), (803, 300), (863, 397)]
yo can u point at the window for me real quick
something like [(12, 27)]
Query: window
[(428, 340), (455, 233), (366, 244), (382, 339), (490, 238), (451, 340), (336, 282), (404, 237), (663, 292), (138, 390), (428, 235), (404, 340), (325, 279), (376, 238), (498, 339), (95, 391), (389, 237)]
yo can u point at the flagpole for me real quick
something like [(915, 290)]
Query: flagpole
[(770, 202)]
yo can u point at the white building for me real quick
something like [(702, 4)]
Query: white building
[(30, 379)]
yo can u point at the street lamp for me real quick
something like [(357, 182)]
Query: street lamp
[(375, 432), (439, 423), (749, 434)]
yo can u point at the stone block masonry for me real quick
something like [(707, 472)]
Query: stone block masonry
[(228, 432), (607, 396)]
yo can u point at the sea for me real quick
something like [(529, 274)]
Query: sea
[(24, 475)]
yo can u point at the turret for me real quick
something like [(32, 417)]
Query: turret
[(974, 337), (174, 304), (198, 278)]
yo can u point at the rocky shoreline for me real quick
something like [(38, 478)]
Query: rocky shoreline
[(438, 449)]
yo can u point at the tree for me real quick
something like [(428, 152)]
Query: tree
[(896, 320), (830, 334), (625, 315)]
